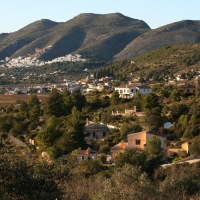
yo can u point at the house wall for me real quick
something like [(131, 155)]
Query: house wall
[(134, 138), (82, 157), (145, 91), (118, 148), (129, 92), (185, 147), (143, 137), (98, 135)]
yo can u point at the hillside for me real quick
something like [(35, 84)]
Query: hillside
[(91, 35), (182, 32), (167, 61)]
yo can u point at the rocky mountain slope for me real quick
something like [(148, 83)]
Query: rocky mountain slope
[(91, 35), (183, 32), (96, 36)]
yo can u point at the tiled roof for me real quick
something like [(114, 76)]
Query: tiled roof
[(143, 87), (96, 127), (83, 152), (127, 86), (134, 85), (121, 145)]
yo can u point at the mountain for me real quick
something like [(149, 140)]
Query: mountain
[(91, 35), (182, 32)]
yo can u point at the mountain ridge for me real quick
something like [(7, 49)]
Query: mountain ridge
[(111, 36), (89, 34), (182, 32)]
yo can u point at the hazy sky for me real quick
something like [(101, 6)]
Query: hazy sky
[(16, 14)]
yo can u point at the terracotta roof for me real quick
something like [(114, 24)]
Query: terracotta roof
[(83, 152), (121, 145), (136, 133)]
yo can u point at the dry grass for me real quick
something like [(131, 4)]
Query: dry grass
[(6, 100)]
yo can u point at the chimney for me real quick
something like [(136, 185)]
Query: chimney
[(87, 121)]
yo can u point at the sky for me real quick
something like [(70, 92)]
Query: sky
[(15, 14)]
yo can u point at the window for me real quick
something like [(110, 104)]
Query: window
[(104, 134), (93, 134), (137, 142)]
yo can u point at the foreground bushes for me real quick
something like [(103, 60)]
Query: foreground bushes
[(24, 176)]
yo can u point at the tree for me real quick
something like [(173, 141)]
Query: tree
[(114, 100), (34, 108), (23, 179), (150, 101), (67, 102), (18, 127), (22, 108), (194, 148), (153, 148), (175, 95), (154, 154), (127, 128), (54, 103), (137, 100), (73, 133), (127, 182), (78, 99), (154, 118), (6, 123), (177, 110), (131, 157), (51, 132)]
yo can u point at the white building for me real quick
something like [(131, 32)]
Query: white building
[(129, 91)]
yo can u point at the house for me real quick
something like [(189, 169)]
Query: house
[(129, 112), (96, 131), (190, 160), (130, 90), (138, 142), (118, 148), (86, 154), (187, 90)]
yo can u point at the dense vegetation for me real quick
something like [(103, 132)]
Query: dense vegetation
[(57, 126), (49, 73), (160, 65), (24, 176), (157, 66)]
